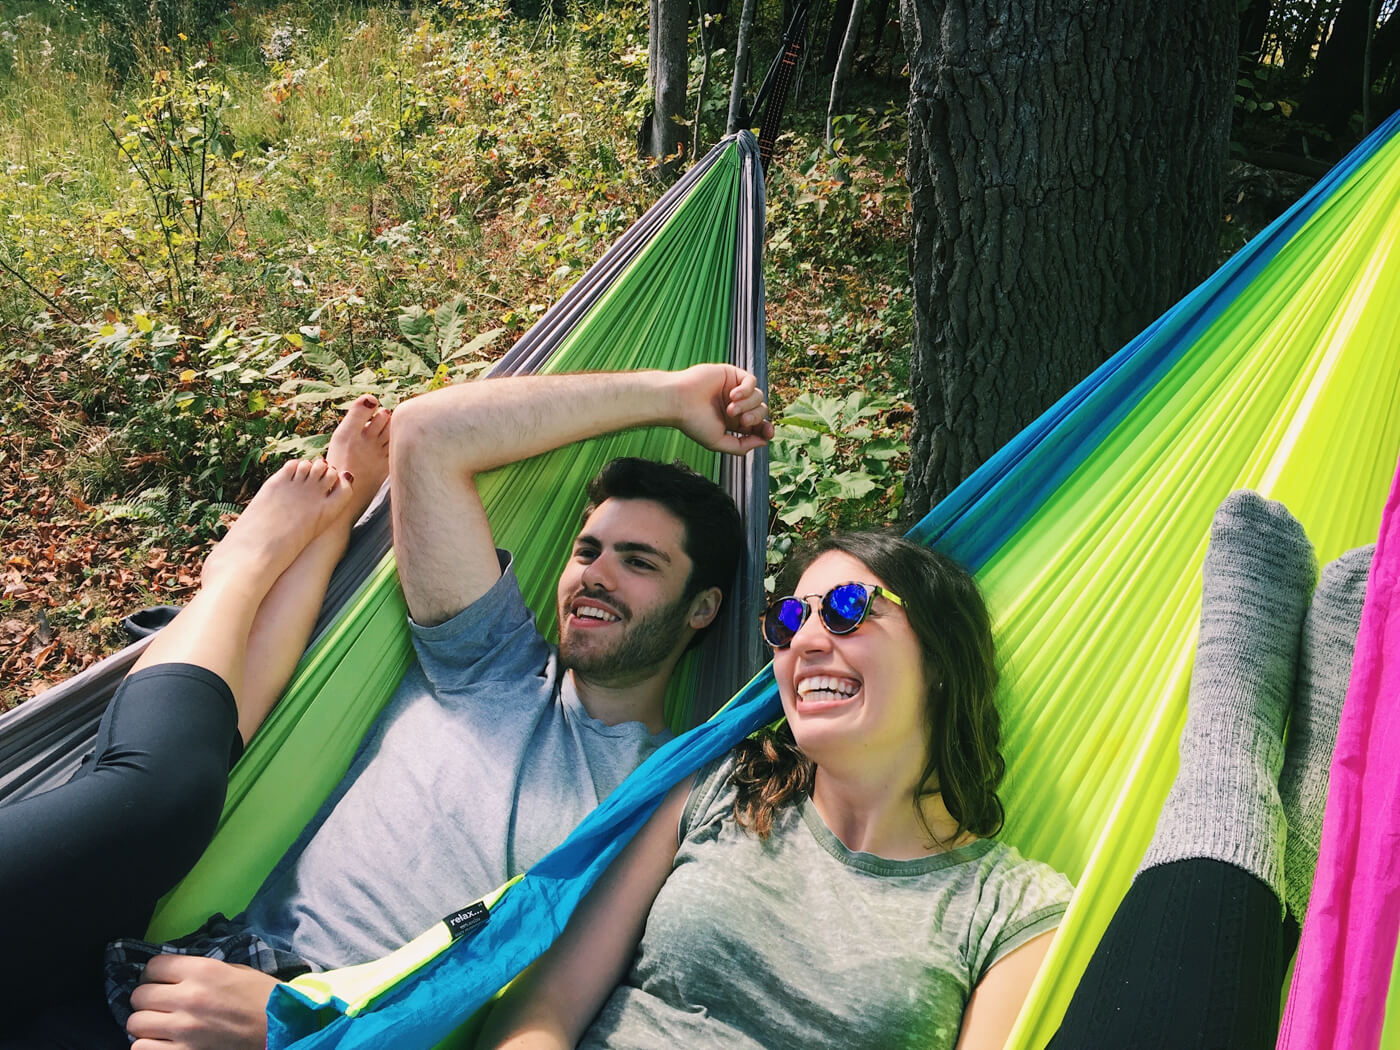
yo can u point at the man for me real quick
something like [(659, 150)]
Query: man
[(490, 750)]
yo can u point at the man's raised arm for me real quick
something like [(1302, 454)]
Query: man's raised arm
[(444, 439)]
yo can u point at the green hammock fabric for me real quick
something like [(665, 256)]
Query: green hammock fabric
[(1292, 391), (673, 306)]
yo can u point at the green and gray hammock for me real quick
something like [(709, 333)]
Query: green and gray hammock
[(1087, 533), (681, 286)]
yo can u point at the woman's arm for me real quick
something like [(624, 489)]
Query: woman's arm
[(997, 999), (552, 1002)]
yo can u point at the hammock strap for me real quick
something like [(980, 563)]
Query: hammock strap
[(778, 82)]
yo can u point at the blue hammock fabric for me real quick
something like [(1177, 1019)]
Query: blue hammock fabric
[(972, 524)]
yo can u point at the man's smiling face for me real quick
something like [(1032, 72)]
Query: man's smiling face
[(623, 609)]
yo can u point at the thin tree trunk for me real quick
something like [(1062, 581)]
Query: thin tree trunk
[(653, 45), (836, 35), (882, 18), (704, 83), (1060, 202), (669, 82), (843, 67), (741, 69)]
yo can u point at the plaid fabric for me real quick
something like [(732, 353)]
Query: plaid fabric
[(219, 938)]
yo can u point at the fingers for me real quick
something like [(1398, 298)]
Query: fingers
[(747, 412)]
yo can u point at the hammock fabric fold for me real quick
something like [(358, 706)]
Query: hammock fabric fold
[(1087, 533), (1354, 912)]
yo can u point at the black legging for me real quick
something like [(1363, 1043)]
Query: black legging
[(85, 862), (1192, 960)]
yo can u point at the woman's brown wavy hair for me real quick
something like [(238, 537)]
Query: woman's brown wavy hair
[(950, 619)]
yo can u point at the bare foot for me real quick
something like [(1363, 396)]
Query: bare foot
[(289, 511), (360, 447)]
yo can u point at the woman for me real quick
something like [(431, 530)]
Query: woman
[(789, 935), (832, 884)]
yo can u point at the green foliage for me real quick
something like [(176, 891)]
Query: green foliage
[(847, 206), (835, 462), (186, 170), (376, 190), (1265, 116), (429, 354)]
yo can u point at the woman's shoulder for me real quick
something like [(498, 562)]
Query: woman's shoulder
[(711, 793), (1005, 871)]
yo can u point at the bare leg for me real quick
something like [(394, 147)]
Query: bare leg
[(291, 508), (282, 627)]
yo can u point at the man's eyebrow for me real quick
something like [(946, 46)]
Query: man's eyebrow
[(641, 548), (626, 547)]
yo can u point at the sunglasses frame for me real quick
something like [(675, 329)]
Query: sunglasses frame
[(872, 591)]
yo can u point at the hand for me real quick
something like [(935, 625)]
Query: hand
[(722, 408), (187, 1002)]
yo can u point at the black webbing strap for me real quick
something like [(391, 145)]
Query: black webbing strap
[(772, 96)]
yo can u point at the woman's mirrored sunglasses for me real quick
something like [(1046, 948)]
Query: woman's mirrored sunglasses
[(842, 610)]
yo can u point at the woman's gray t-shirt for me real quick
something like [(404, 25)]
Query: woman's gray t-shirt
[(796, 941)]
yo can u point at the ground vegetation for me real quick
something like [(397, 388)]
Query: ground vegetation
[(219, 221)]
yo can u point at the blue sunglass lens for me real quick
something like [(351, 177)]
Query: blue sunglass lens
[(844, 607), (782, 621)]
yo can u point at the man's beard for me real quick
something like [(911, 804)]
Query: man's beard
[(642, 647)]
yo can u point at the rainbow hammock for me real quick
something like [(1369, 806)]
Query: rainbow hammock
[(1279, 373)]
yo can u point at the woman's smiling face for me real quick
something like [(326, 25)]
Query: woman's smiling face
[(859, 696)]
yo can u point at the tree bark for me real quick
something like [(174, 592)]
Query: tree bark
[(737, 112), (843, 67), (668, 39), (840, 19), (881, 19), (1065, 164)]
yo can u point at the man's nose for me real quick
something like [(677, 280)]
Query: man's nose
[(599, 573)]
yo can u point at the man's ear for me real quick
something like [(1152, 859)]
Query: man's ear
[(704, 607)]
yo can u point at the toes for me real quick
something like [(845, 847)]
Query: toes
[(378, 426), (324, 475), (361, 410)]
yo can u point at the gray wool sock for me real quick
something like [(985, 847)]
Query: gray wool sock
[(1324, 671), (1224, 803)]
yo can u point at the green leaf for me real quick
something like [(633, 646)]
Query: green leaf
[(450, 319), (482, 341), (815, 412), (317, 396), (416, 326), (799, 511), (327, 364), (283, 362)]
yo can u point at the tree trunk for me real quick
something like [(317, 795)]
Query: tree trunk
[(737, 114), (1065, 164), (881, 19), (840, 19), (843, 67), (668, 39), (1254, 27), (1309, 28), (1334, 91)]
